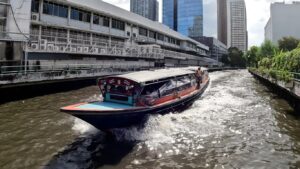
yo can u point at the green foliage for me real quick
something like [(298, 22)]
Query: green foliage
[(288, 43), (235, 57), (267, 49), (269, 61), (251, 56)]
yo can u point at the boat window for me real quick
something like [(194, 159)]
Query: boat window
[(184, 83), (153, 88), (168, 88), (115, 89)]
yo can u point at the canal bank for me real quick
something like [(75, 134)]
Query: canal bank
[(287, 90), (238, 123)]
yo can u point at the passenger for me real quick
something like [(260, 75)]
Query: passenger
[(199, 76)]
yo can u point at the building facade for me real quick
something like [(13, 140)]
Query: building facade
[(282, 22), (237, 35), (146, 8), (222, 20), (217, 49), (67, 32), (184, 16)]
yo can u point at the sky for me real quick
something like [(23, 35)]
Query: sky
[(258, 13)]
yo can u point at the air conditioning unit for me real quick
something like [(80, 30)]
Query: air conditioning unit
[(43, 41), (73, 50), (95, 50), (79, 49), (35, 17), (86, 49), (56, 48), (50, 47), (103, 51), (34, 46), (62, 48), (43, 47)]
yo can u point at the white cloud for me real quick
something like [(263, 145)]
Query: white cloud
[(258, 12)]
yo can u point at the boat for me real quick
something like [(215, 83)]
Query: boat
[(130, 98)]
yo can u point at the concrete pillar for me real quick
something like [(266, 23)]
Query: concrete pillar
[(40, 8), (69, 15), (2, 51)]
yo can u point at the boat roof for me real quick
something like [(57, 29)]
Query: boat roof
[(153, 75)]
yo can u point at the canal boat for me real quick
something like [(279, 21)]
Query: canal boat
[(129, 99)]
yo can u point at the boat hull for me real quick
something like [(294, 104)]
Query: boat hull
[(122, 119)]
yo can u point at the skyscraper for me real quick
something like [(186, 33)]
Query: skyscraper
[(184, 16), (222, 21), (145, 8), (232, 23)]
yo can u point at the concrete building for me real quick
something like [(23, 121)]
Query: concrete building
[(146, 8), (222, 20), (237, 35), (68, 32), (216, 48), (232, 23), (283, 21), (184, 16)]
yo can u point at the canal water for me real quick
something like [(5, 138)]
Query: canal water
[(238, 123)]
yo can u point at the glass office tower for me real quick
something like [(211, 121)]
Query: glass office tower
[(184, 16), (169, 13)]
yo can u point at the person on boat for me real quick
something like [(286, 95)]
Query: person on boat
[(199, 76)]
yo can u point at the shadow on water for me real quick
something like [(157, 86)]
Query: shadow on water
[(93, 151)]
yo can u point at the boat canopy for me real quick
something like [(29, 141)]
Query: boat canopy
[(154, 75)]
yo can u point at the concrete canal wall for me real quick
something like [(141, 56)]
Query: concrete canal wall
[(289, 91)]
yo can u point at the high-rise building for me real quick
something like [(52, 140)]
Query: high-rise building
[(222, 21), (283, 21), (145, 8), (232, 28), (237, 35), (184, 16)]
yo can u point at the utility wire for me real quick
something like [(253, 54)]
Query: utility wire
[(13, 14)]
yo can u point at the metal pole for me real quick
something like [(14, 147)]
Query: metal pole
[(26, 58)]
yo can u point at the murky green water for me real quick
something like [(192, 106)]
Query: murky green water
[(237, 123)]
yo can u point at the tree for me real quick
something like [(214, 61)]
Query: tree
[(236, 57), (288, 43), (225, 59), (267, 49), (252, 56)]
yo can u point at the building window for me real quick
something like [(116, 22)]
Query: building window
[(101, 20), (152, 34), (78, 37), (143, 31), (54, 34), (100, 40), (160, 37), (116, 24), (128, 33), (54, 9), (80, 15), (35, 6)]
